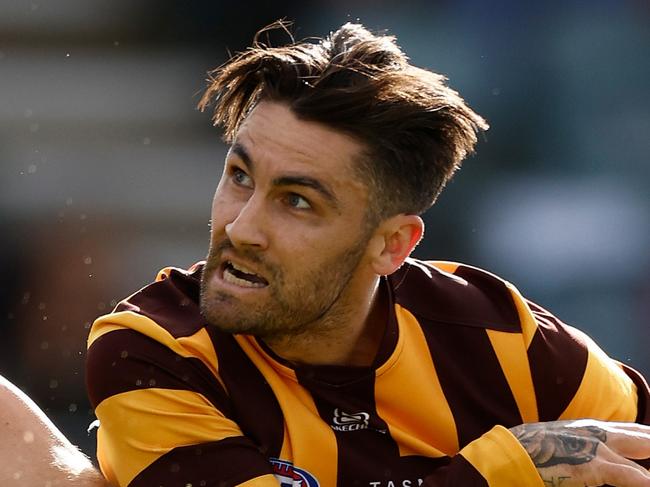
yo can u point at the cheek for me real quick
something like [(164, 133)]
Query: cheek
[(307, 249)]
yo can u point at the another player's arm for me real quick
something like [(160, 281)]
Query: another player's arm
[(33, 451)]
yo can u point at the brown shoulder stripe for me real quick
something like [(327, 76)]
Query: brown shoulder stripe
[(472, 379), (125, 360), (172, 303), (499, 299), (224, 463), (255, 407), (558, 360), (474, 298)]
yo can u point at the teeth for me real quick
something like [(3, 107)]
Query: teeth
[(233, 279), (242, 268)]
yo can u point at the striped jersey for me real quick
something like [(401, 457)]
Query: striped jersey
[(463, 358)]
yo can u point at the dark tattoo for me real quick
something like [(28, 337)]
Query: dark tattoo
[(560, 445), (555, 481)]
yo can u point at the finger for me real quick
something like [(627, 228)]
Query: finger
[(630, 427), (629, 443), (607, 425), (612, 457), (619, 475)]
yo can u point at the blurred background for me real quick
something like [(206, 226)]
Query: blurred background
[(107, 170)]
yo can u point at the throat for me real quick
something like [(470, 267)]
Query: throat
[(343, 341)]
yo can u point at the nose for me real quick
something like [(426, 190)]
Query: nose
[(248, 229)]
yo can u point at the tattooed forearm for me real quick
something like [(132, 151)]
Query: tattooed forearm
[(574, 446)]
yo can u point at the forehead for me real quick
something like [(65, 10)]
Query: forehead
[(278, 141)]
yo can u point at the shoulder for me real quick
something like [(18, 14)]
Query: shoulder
[(165, 310), (171, 301), (154, 338), (454, 293)]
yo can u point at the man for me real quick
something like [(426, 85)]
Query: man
[(309, 349)]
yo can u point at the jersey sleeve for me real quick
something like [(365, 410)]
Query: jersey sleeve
[(574, 378), (496, 459), (165, 418), (555, 372)]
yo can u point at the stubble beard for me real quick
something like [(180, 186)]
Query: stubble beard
[(312, 303)]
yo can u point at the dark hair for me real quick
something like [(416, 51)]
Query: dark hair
[(416, 130)]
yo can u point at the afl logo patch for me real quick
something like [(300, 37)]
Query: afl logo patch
[(290, 476)]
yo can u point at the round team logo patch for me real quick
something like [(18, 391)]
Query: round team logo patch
[(290, 476)]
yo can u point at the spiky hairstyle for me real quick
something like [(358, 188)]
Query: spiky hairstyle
[(415, 129)]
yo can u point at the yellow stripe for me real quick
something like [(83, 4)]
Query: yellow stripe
[(134, 321), (267, 480), (529, 325), (511, 350), (513, 359), (501, 460), (526, 318), (138, 427), (412, 376), (445, 266), (198, 345), (165, 272), (605, 392), (101, 327), (309, 442)]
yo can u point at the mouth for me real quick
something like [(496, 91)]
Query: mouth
[(241, 276)]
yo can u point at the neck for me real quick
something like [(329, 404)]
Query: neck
[(348, 335)]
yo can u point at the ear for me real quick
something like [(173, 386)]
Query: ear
[(394, 240)]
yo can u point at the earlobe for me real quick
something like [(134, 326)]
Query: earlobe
[(399, 236)]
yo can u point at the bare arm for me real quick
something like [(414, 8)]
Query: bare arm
[(33, 451), (587, 452)]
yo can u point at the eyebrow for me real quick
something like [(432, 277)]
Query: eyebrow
[(241, 152), (304, 181)]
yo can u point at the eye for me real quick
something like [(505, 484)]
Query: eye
[(296, 201), (241, 178)]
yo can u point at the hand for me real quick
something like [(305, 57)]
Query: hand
[(587, 452)]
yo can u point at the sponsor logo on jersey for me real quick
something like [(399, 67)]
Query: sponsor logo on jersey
[(290, 476), (349, 422), (396, 483)]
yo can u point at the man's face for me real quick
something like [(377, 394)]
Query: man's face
[(288, 228)]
